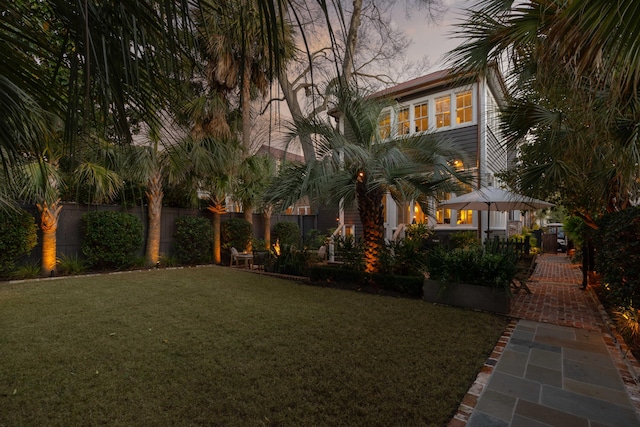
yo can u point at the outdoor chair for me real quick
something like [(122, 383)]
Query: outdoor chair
[(236, 257), (523, 273)]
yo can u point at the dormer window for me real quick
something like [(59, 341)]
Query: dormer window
[(403, 121), (443, 111), (421, 117), (464, 109), (384, 124)]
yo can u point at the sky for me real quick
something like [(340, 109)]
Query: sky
[(431, 39)]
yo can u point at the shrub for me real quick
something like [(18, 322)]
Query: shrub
[(315, 238), (289, 260), (408, 285), (17, 237), (350, 251), (193, 240), (288, 233), (473, 266), (618, 256), (111, 239), (236, 232), (463, 239), (26, 271), (405, 257), (70, 265)]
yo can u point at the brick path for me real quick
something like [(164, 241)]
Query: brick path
[(556, 296), (556, 299)]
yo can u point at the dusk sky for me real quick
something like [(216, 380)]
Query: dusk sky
[(433, 40)]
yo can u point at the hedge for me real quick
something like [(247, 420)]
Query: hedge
[(18, 236), (111, 239)]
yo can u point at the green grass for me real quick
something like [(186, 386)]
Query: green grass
[(216, 346)]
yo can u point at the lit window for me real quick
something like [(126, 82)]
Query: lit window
[(464, 109), (465, 217), (384, 125), (403, 121), (443, 216), (443, 112), (421, 117)]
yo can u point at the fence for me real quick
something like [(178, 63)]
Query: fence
[(69, 232), (519, 246)]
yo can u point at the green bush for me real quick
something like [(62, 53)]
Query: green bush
[(463, 239), (350, 251), (17, 237), (406, 257), (70, 265), (111, 239), (193, 240), (288, 233), (235, 232), (289, 260), (408, 285), (473, 266), (618, 256)]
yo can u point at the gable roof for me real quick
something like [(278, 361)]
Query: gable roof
[(419, 84)]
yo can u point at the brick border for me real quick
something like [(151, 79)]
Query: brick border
[(470, 399)]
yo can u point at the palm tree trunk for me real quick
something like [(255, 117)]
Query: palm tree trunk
[(248, 216), (154, 195), (372, 217), (217, 209), (246, 107), (267, 226), (49, 215)]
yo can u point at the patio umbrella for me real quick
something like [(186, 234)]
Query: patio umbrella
[(494, 199)]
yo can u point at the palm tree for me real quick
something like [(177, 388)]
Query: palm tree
[(357, 165), (253, 178), (574, 96), (239, 52), (40, 178)]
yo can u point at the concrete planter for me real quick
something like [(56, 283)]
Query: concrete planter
[(469, 296)]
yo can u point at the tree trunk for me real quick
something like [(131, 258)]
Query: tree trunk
[(154, 195), (371, 213), (245, 99), (267, 226), (248, 216), (297, 115), (217, 210), (49, 215)]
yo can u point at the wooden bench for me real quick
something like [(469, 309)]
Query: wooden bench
[(525, 270)]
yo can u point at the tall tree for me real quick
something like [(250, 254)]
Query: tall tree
[(574, 100), (41, 178), (238, 53), (344, 42), (359, 166)]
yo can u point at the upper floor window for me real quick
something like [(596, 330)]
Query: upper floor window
[(384, 125), (443, 112), (464, 108), (403, 121), (421, 117)]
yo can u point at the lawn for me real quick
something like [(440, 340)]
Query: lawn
[(217, 346)]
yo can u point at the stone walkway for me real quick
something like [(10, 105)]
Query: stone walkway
[(559, 363)]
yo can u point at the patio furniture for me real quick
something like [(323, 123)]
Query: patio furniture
[(525, 270), (236, 257)]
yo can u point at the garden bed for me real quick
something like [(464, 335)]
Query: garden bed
[(476, 297)]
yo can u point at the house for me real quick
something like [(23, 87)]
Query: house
[(465, 109)]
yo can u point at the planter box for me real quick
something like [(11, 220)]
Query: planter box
[(469, 296)]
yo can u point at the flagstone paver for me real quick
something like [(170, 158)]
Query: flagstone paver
[(560, 362)]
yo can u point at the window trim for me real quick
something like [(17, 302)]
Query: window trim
[(430, 100)]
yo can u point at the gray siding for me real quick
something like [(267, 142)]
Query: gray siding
[(496, 153), (466, 139)]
